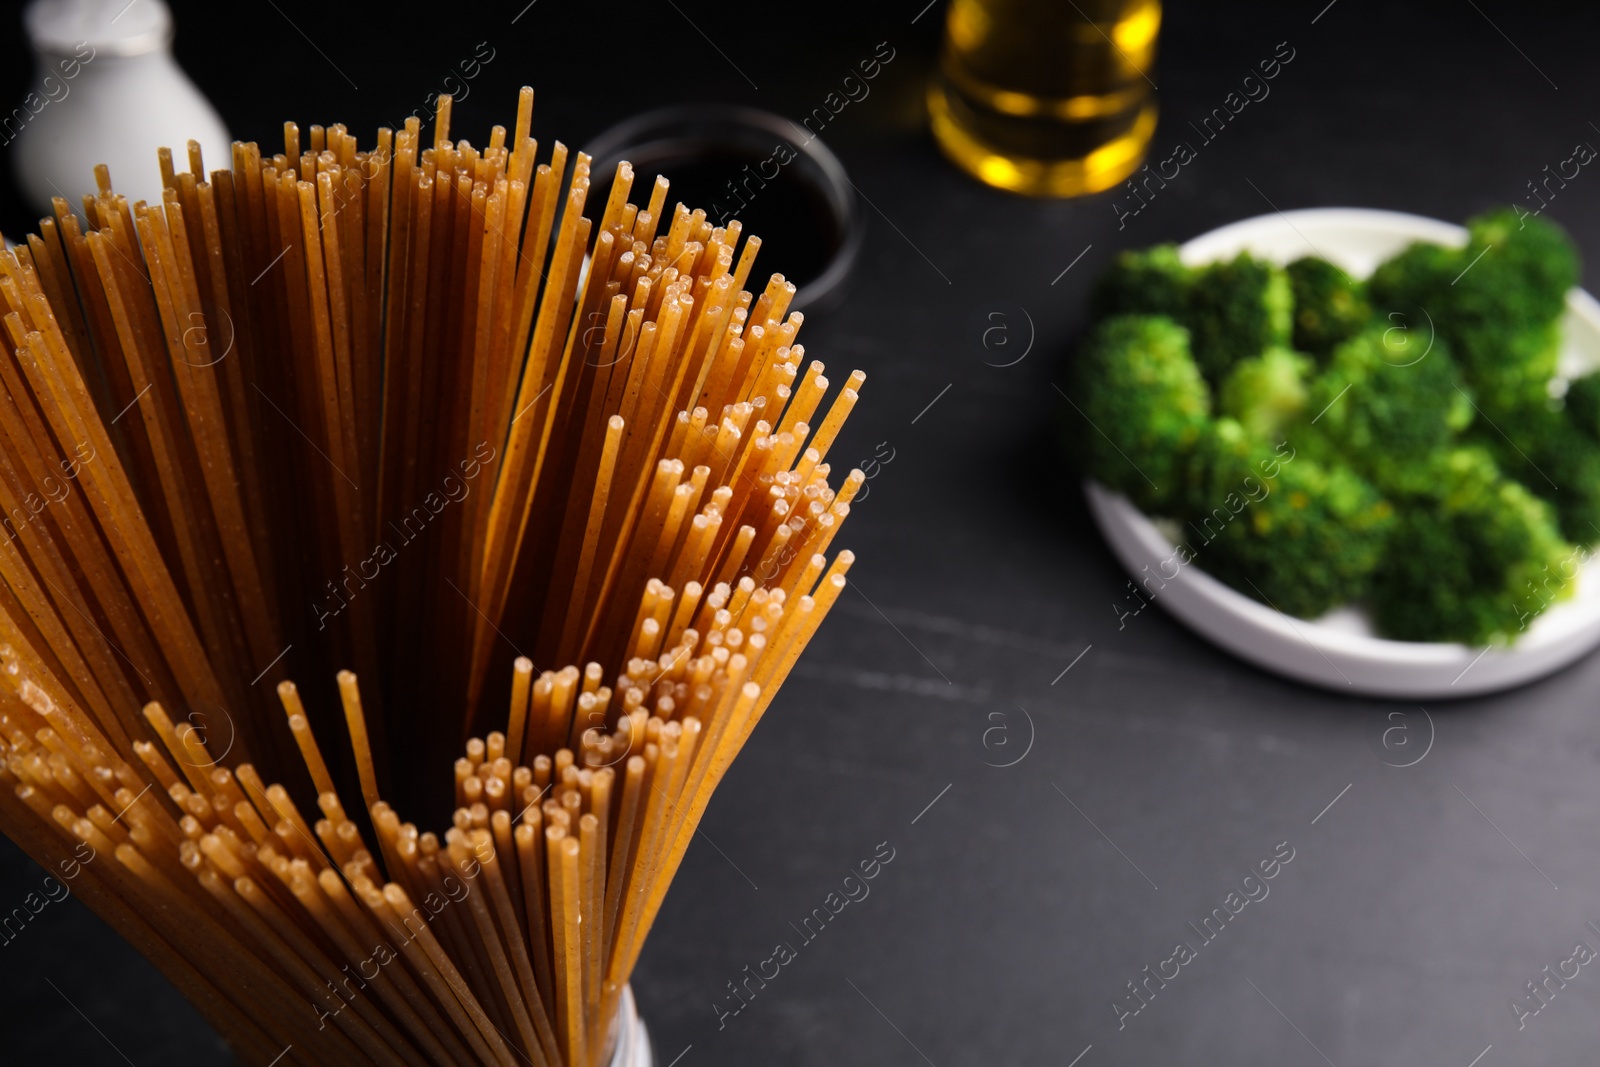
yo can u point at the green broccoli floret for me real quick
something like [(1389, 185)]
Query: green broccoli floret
[(1385, 406), (1266, 392), (1571, 458), (1141, 403), (1498, 301), (1412, 275), (1329, 305), (1281, 527), (1583, 404), (1149, 281), (1553, 458), (1536, 258), (1237, 309), (1473, 560), (1513, 273), (1510, 369)]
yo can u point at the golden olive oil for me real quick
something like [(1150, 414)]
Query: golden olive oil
[(1047, 97)]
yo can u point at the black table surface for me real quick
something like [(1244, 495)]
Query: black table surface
[(1150, 772)]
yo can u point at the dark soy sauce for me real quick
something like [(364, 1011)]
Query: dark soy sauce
[(778, 201)]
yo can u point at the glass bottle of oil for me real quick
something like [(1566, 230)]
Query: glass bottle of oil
[(1047, 97)]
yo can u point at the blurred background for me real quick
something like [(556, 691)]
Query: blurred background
[(1063, 789)]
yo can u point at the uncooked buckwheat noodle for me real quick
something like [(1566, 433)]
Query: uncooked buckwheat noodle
[(404, 410)]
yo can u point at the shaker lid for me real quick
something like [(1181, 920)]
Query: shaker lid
[(110, 27)]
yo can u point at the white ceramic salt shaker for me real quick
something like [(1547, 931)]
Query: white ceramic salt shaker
[(105, 89)]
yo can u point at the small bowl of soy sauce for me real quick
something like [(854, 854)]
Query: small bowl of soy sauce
[(777, 178)]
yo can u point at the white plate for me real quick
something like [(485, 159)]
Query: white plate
[(1341, 650)]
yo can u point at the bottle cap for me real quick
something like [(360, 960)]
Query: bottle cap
[(110, 27)]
